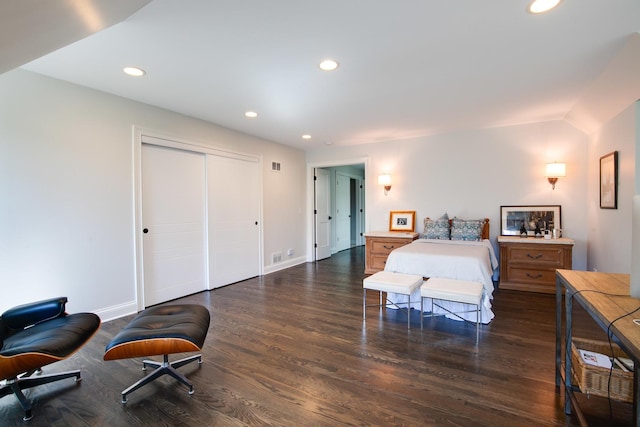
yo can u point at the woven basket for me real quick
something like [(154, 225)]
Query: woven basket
[(594, 379)]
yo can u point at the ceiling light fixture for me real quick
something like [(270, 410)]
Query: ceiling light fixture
[(306, 136), (134, 71), (251, 114), (541, 6), (328, 65)]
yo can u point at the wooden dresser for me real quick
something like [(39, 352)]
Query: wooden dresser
[(380, 243), (529, 264)]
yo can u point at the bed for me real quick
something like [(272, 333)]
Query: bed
[(467, 257)]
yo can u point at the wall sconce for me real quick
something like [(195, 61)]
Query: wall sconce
[(553, 171), (386, 181)]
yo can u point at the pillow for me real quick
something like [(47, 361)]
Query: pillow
[(467, 229), (438, 229)]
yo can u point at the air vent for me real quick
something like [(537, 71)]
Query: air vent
[(275, 166), (276, 258)]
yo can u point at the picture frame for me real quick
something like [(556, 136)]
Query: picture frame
[(546, 217), (402, 221), (609, 181)]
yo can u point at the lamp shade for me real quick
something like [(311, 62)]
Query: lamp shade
[(555, 170), (384, 180)]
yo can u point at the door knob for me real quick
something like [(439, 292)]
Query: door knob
[(145, 230)]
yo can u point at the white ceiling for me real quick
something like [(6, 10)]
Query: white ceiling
[(32, 28), (407, 68)]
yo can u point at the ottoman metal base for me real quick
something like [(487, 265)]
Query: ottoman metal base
[(163, 368)]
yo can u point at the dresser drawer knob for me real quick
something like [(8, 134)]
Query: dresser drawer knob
[(531, 276), (534, 256), (388, 247)]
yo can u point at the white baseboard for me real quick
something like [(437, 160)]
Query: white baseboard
[(131, 307), (116, 311), (285, 264)]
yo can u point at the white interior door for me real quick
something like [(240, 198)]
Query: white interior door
[(361, 240), (173, 222), (322, 214), (233, 194), (343, 212)]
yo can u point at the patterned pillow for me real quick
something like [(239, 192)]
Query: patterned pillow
[(466, 229), (438, 229)]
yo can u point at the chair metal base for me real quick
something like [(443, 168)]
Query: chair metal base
[(162, 368), (24, 381)]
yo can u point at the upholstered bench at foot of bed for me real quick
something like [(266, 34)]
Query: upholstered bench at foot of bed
[(390, 282), (452, 290), (161, 330)]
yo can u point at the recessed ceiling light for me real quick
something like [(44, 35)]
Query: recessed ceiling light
[(306, 136), (251, 114), (328, 65), (541, 6), (134, 71)]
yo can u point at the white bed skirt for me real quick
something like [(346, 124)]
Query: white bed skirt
[(486, 314)]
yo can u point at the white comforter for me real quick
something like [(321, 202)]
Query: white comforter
[(449, 259)]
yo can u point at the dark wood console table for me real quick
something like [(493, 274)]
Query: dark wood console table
[(605, 297)]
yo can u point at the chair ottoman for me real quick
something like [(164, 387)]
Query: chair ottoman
[(161, 330)]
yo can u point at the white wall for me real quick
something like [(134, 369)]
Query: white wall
[(67, 196), (610, 229), (471, 174)]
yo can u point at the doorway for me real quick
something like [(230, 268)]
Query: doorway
[(347, 206)]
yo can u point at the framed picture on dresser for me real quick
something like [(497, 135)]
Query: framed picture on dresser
[(402, 221), (514, 219)]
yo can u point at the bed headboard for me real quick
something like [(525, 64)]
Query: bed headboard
[(485, 229)]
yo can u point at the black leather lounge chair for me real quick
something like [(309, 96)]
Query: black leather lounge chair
[(37, 334)]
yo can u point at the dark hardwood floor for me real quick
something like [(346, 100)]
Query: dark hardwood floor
[(291, 349)]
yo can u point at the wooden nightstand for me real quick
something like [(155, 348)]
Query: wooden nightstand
[(380, 243), (529, 264)]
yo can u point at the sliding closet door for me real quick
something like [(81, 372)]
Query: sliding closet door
[(233, 199), (173, 222)]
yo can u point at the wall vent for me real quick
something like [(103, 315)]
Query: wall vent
[(275, 166), (276, 258)]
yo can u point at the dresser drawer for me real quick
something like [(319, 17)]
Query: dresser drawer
[(378, 262), (531, 276), (553, 257), (384, 247)]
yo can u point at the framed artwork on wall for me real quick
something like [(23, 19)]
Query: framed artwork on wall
[(402, 221), (609, 181), (514, 219)]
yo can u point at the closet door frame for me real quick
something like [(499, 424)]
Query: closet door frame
[(158, 138)]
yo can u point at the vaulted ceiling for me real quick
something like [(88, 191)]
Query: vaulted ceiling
[(406, 68)]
